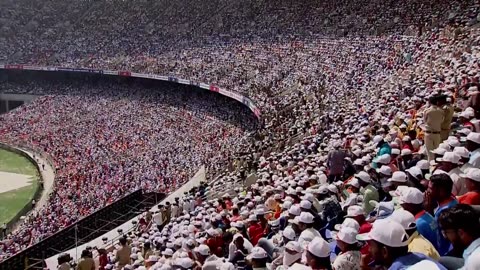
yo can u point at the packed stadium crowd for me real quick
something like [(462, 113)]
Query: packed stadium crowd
[(393, 182), (108, 139), (385, 93)]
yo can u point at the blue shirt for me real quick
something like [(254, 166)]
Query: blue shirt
[(427, 227), (411, 259), (443, 244)]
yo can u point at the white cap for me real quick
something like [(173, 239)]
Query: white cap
[(319, 247), (423, 164), (450, 157), (358, 162), (354, 182), (203, 250), (211, 232), (294, 246), (399, 177), (461, 151), (347, 235), (332, 188), (152, 258), (404, 218), (294, 210), (259, 212), (364, 176), (384, 209), (474, 137), (355, 210), (289, 233), (406, 152), (184, 262), (415, 172), (395, 151), (257, 253), (411, 195), (286, 205), (464, 131), (348, 222), (168, 252), (385, 170), (377, 139), (383, 159), (387, 232), (295, 220), (305, 204), (439, 151), (306, 218), (473, 174)]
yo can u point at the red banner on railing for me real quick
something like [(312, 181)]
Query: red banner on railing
[(214, 88), (124, 73), (13, 66)]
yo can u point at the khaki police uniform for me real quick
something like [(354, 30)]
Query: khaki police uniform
[(447, 121), (433, 118)]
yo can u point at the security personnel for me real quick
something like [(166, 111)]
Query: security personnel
[(433, 118), (447, 121)]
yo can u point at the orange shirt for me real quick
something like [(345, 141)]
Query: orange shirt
[(471, 197)]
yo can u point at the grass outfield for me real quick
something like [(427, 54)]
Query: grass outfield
[(11, 202)]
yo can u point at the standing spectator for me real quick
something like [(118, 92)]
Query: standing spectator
[(433, 118), (86, 262), (102, 258), (448, 111), (123, 254), (335, 162)]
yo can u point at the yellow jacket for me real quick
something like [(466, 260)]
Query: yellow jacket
[(418, 243)]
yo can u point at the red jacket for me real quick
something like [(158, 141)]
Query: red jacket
[(255, 232)]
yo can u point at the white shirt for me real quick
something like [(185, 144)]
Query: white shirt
[(459, 185), (349, 260), (232, 248), (475, 158), (472, 256)]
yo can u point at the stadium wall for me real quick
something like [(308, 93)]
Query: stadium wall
[(210, 87), (27, 207)]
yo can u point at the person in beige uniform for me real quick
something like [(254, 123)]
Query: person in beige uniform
[(86, 262), (433, 118), (123, 254), (447, 121)]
